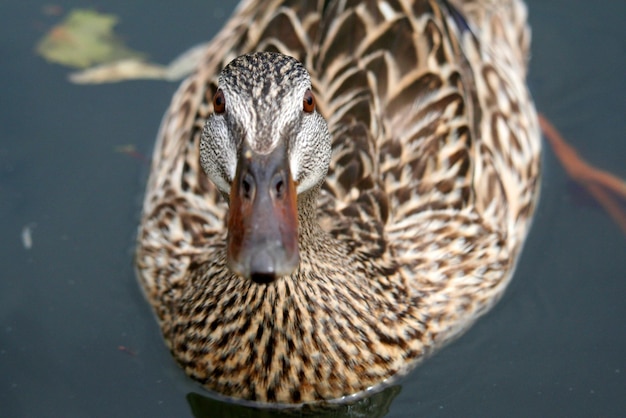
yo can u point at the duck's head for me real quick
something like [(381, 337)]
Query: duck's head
[(264, 145)]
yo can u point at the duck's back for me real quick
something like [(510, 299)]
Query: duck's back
[(429, 110)]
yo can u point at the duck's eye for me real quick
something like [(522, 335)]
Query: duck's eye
[(219, 102), (308, 102)]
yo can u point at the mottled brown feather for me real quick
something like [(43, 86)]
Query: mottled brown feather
[(431, 189)]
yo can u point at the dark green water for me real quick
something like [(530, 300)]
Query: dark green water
[(554, 346)]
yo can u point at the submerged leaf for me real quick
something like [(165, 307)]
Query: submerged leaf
[(83, 39)]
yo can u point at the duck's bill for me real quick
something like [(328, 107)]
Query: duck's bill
[(263, 218)]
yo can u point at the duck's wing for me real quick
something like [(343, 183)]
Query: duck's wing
[(436, 148), (429, 110)]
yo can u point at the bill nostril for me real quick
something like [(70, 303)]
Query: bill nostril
[(278, 185), (247, 187)]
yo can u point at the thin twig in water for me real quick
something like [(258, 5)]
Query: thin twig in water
[(594, 180)]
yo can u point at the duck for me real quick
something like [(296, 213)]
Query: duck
[(338, 190)]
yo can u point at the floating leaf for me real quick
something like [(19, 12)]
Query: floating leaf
[(83, 39), (133, 69)]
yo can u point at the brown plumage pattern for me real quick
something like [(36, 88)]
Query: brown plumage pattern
[(416, 231)]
